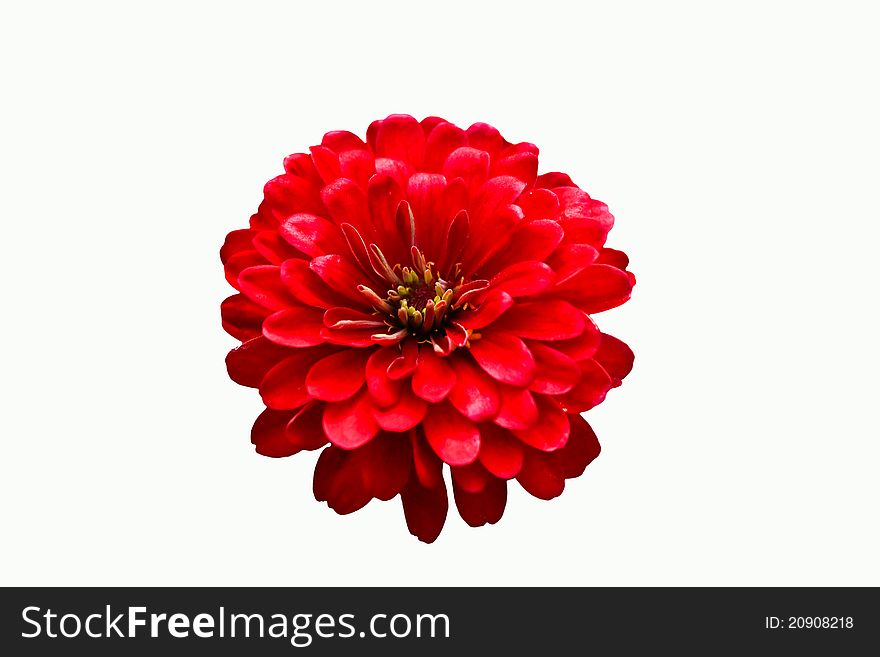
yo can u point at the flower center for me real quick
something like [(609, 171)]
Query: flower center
[(422, 300)]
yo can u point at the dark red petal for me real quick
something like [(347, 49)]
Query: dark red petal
[(486, 506), (543, 320), (384, 390), (350, 423), (427, 466), (387, 465), (290, 193), (268, 434), (613, 257), (405, 414), (241, 317), (337, 376), (424, 192), (590, 390), (541, 476), (524, 278), (297, 326), (305, 429), (471, 478), (505, 358), (474, 394), (453, 437), (308, 287), (493, 305), (582, 447), (551, 432), (301, 165), (248, 364), (262, 284), (400, 137), (284, 386), (615, 357), (312, 235), (556, 373), (425, 509), (518, 409), (500, 453), (340, 482), (434, 378)]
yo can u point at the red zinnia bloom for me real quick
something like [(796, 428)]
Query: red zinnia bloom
[(424, 298)]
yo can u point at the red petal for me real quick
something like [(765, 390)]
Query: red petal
[(571, 259), (312, 235), (342, 140), (236, 241), (556, 373), (434, 378), (554, 179), (505, 358), (341, 276), (358, 166), (268, 434), (305, 429), (240, 261), (543, 320), (428, 467), (443, 139), (297, 326), (521, 165), (425, 509), (350, 423), (326, 163), (384, 390), (248, 364), (274, 249), (553, 430), (613, 257), (307, 286), (284, 386), (540, 204), (469, 164), (594, 384), (338, 376), (289, 193), (583, 346), (487, 138), (530, 240), (615, 357), (339, 480), (403, 415), (487, 506), (346, 202), (262, 284), (518, 409), (241, 317), (541, 475), (400, 137), (454, 438), (474, 395), (524, 278), (387, 465), (406, 363), (582, 447), (493, 305), (500, 453), (471, 478)]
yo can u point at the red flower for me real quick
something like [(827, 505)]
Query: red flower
[(424, 298)]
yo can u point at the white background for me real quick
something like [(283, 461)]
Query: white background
[(737, 147)]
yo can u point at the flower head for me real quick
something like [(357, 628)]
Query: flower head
[(423, 298)]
